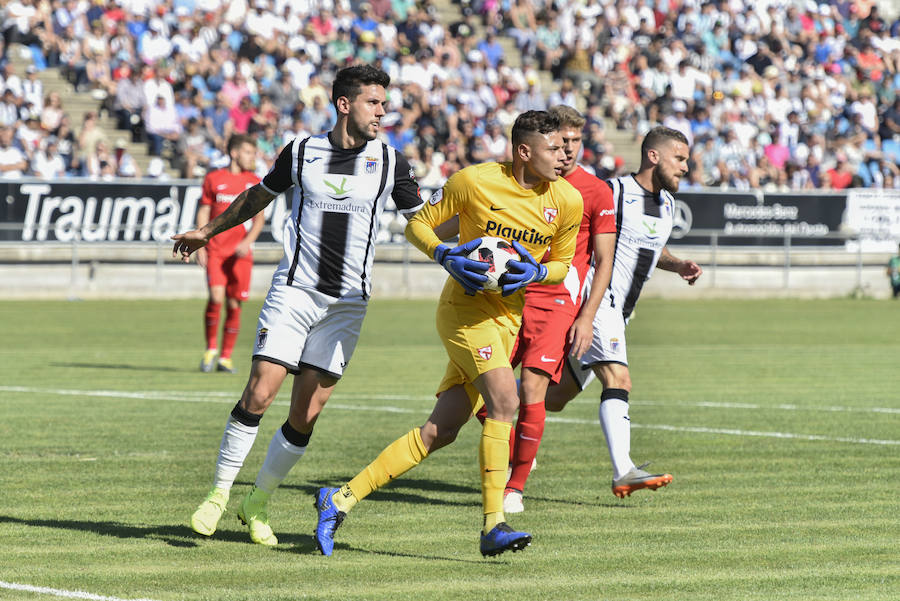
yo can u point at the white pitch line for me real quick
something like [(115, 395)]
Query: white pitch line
[(220, 397), (733, 432), (214, 396), (43, 590)]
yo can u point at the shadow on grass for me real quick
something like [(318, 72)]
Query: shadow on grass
[(341, 547), (117, 366), (576, 503), (403, 490), (176, 536)]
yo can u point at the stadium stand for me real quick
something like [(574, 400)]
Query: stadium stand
[(775, 94)]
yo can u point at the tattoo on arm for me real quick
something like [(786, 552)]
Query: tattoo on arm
[(667, 261), (244, 207)]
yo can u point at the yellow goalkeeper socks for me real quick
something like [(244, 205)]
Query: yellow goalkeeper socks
[(493, 455), (395, 460)]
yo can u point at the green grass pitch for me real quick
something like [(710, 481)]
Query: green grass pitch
[(780, 421)]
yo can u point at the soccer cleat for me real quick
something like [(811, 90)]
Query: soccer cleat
[(208, 513), (225, 364), (512, 501), (330, 519), (503, 538), (253, 515), (636, 479), (209, 360)]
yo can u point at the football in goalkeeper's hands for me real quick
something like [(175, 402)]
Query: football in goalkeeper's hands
[(496, 252)]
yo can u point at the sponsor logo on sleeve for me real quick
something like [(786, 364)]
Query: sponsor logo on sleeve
[(437, 197)]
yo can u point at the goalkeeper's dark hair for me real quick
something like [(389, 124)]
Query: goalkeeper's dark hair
[(658, 136), (349, 81), (533, 122)]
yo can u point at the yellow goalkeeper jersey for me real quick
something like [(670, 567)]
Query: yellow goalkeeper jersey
[(490, 202)]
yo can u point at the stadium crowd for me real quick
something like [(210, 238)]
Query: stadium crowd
[(773, 94)]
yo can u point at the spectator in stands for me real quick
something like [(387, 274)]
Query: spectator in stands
[(827, 76), (89, 136), (161, 125), (240, 117), (100, 163), (22, 21), (47, 163), (29, 136), (9, 109), (125, 164), (129, 103), (317, 117), (32, 87), (840, 176), (13, 162)]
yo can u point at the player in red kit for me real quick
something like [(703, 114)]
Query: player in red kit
[(555, 321), (228, 258)]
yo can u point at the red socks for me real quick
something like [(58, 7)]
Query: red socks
[(528, 433), (232, 326), (212, 324)]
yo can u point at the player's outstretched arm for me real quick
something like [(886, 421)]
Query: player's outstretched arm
[(245, 206), (688, 270), (582, 331)]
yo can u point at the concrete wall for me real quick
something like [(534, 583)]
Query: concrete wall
[(422, 280)]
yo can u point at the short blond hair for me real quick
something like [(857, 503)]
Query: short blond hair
[(568, 117)]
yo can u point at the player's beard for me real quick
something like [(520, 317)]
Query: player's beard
[(667, 182), (361, 131)]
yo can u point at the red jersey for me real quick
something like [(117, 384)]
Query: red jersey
[(220, 188), (599, 218)]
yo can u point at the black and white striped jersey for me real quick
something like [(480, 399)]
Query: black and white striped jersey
[(338, 196), (643, 225)]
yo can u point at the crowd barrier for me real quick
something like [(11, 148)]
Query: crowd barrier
[(80, 222)]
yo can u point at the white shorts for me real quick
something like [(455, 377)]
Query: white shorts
[(607, 346), (303, 328)]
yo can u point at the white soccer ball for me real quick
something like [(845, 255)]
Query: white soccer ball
[(497, 252)]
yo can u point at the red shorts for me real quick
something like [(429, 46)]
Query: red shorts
[(542, 341), (230, 271)]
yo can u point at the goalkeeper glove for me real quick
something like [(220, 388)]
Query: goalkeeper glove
[(469, 273), (521, 273)]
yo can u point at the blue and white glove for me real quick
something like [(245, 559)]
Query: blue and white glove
[(521, 273), (469, 273)]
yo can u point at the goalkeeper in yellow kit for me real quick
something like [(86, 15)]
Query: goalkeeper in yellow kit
[(528, 204)]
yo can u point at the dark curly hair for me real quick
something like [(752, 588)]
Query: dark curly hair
[(348, 82)]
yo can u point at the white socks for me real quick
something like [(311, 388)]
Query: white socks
[(617, 429), (280, 458), (237, 440)]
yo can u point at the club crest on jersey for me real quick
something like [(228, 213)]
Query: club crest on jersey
[(371, 165), (485, 352), (261, 337), (437, 197), (550, 214)]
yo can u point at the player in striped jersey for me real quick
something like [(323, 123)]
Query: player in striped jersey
[(311, 319), (644, 214)]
